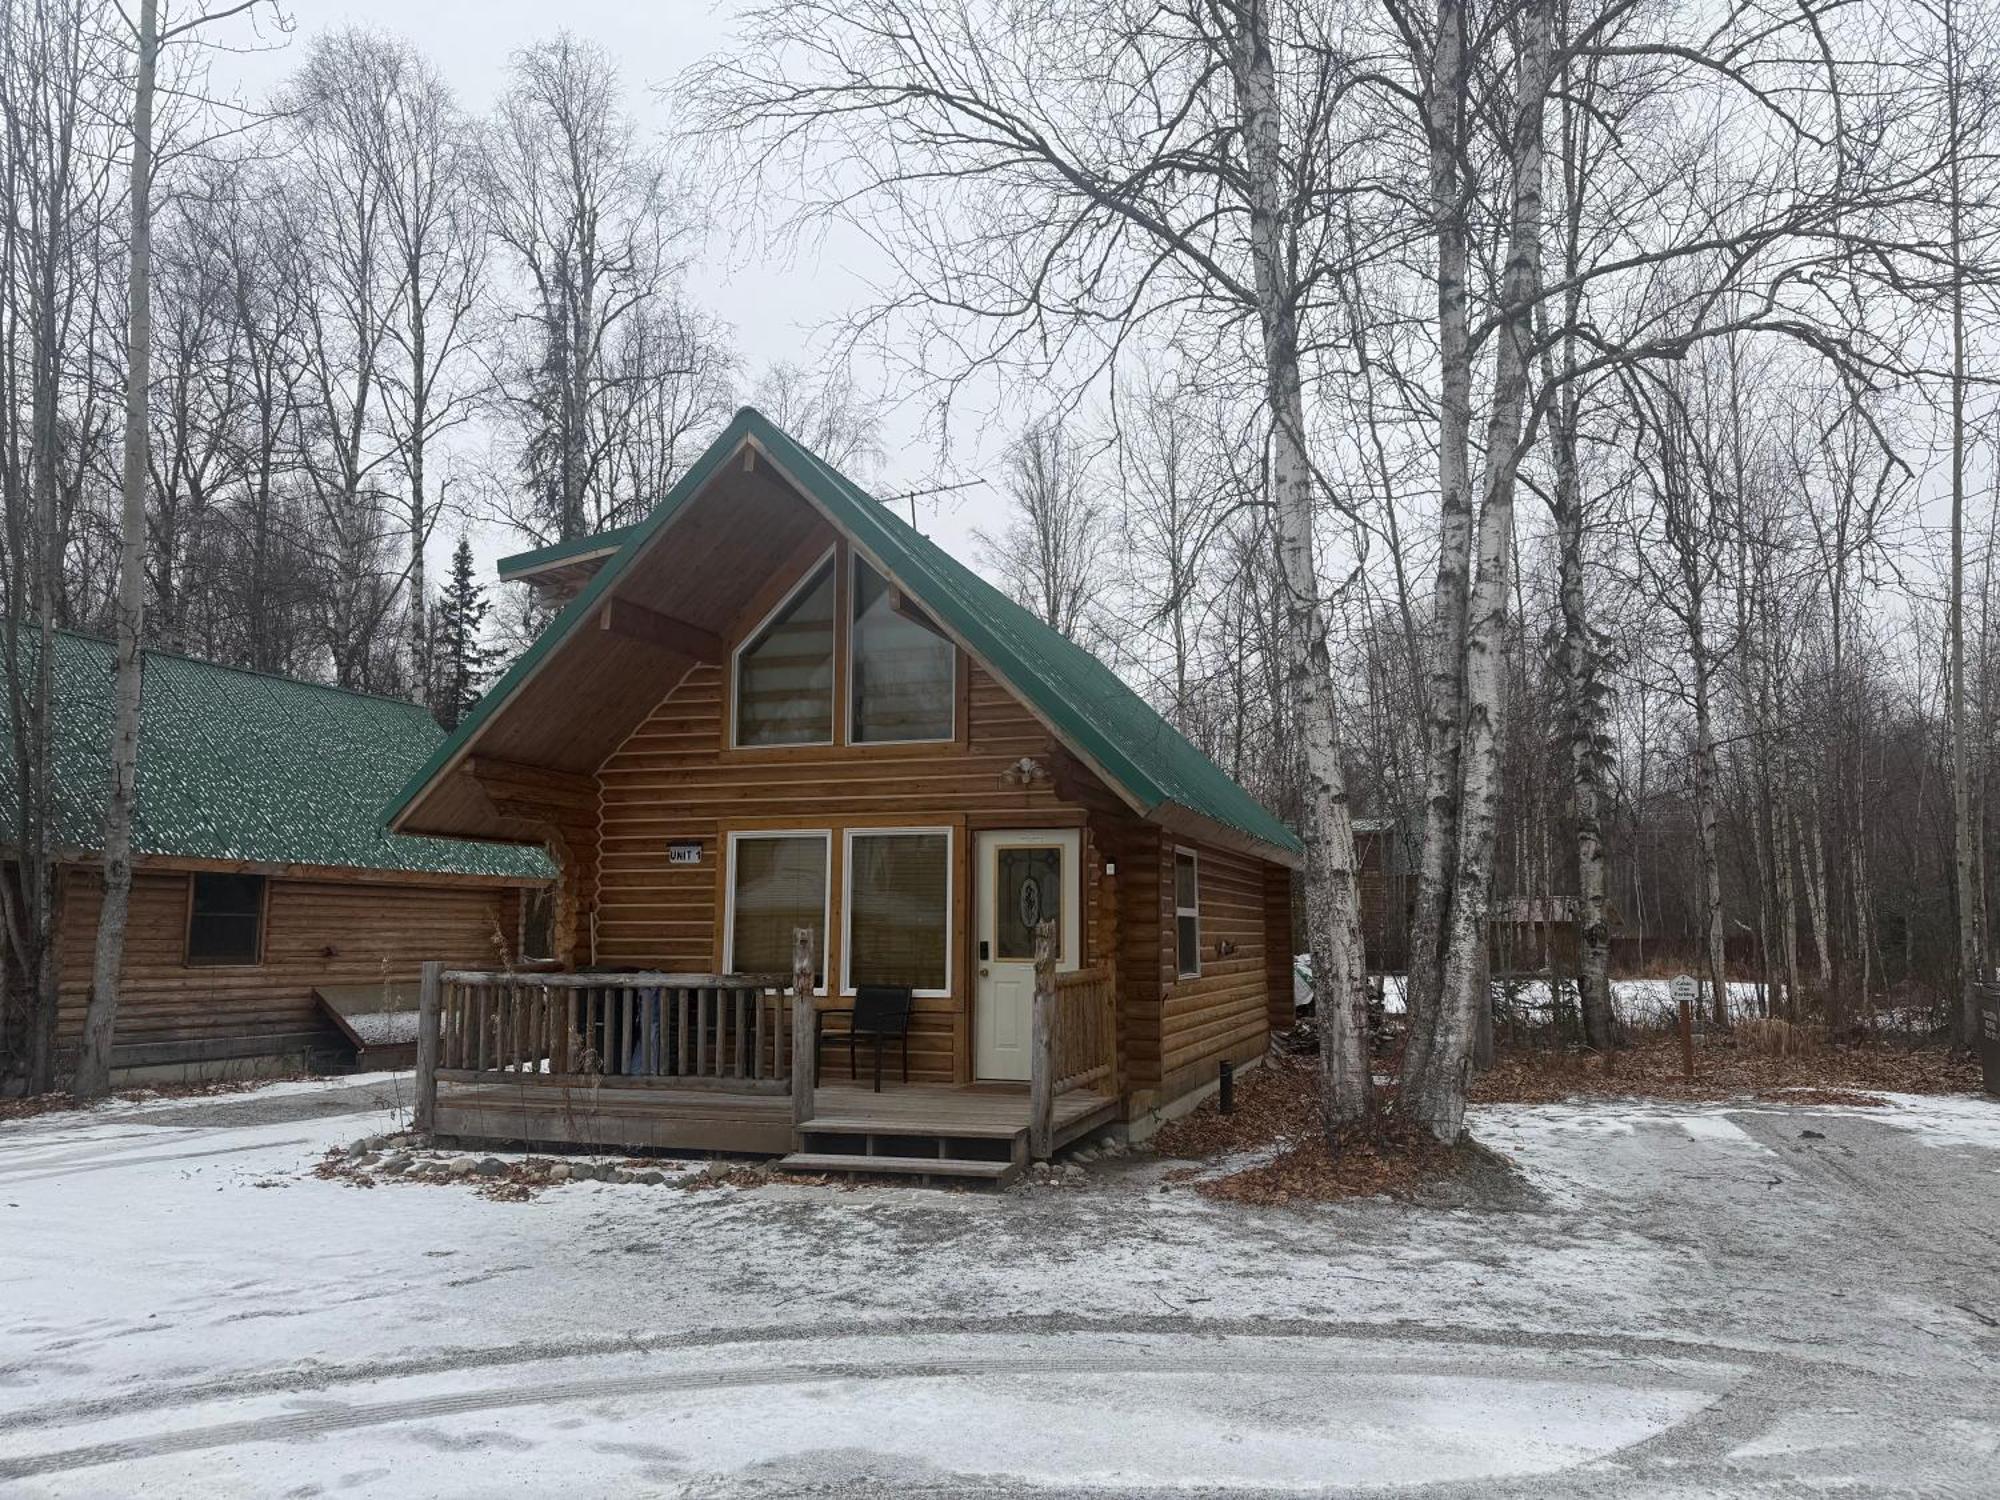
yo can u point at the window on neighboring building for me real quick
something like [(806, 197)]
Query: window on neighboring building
[(784, 674), (899, 909), (538, 923), (1187, 914), (225, 919), (902, 673), (777, 884)]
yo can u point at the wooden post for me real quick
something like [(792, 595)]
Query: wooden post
[(805, 1058), (1042, 1064), (1687, 1039), (427, 1046), (1108, 907)]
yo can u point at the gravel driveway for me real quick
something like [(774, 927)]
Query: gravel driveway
[(1673, 1302)]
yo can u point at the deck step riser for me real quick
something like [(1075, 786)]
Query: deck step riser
[(956, 1168)]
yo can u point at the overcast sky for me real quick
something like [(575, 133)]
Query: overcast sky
[(774, 304)]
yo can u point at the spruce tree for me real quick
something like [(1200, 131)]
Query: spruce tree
[(460, 659)]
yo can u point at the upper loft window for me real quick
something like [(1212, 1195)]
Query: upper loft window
[(225, 919), (784, 673), (903, 673)]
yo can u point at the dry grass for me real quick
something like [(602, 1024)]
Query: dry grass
[(1722, 1070)]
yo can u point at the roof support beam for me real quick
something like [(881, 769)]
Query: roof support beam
[(510, 780), (638, 623)]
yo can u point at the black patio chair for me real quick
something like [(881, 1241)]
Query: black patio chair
[(880, 1014)]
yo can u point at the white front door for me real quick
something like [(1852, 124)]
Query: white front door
[(1022, 877)]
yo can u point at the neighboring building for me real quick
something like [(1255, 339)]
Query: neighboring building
[(773, 704), (263, 880)]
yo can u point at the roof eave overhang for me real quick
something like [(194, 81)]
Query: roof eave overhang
[(566, 623), (1187, 823)]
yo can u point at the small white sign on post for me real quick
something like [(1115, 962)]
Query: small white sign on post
[(1684, 989)]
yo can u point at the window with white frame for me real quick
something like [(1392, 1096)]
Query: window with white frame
[(778, 882), (784, 673), (902, 673), (1187, 914), (898, 905)]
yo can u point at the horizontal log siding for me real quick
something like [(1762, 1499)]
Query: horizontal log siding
[(673, 781), (1136, 848), (373, 931), (1225, 1012), (1278, 947)]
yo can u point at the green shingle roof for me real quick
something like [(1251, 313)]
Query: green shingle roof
[(239, 765), (1087, 703), (555, 552)]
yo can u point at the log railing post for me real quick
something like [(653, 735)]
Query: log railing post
[(427, 1045), (1042, 1062), (805, 1058)]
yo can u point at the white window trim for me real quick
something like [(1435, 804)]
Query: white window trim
[(847, 900), (856, 562), (737, 836), (751, 637), (1194, 859)]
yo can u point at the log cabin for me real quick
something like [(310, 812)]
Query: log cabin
[(770, 708), (271, 915)]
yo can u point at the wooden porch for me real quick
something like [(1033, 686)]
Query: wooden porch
[(725, 1062)]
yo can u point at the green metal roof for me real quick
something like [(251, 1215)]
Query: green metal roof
[(557, 552), (239, 765), (1081, 698)]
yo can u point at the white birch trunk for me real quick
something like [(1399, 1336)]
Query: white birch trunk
[(1438, 1099), (1332, 906), (1445, 700), (93, 1074)]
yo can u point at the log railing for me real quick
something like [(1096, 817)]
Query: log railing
[(1074, 1038), (726, 1029), (1084, 1031)]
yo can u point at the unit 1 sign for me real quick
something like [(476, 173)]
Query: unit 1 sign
[(684, 854)]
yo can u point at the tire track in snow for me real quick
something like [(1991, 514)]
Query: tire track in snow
[(1226, 1364), (321, 1378)]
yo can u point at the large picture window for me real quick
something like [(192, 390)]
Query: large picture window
[(784, 674), (899, 909), (225, 919), (903, 675), (777, 883), (1187, 914)]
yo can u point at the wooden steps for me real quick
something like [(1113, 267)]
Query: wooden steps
[(976, 1134), (961, 1129), (958, 1168)]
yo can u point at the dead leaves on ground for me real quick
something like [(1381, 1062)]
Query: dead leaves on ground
[(1723, 1070), (1277, 1106)]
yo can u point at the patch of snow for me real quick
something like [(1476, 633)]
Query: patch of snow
[(194, 1313), (388, 1028)]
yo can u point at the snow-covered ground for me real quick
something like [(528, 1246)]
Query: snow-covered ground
[(1639, 1002), (1679, 1302)]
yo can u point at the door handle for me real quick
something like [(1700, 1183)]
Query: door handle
[(984, 973)]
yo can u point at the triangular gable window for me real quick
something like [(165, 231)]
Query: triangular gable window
[(904, 672), (784, 675)]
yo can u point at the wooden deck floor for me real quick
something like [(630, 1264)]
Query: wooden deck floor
[(652, 1114)]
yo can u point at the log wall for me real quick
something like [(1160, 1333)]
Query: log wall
[(1225, 1011), (316, 932), (674, 781)]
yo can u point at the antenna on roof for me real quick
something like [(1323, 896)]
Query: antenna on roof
[(937, 489)]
